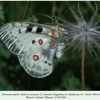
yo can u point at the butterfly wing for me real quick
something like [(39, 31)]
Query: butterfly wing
[(18, 37), (31, 42), (38, 61)]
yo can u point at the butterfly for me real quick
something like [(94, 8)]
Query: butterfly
[(34, 44)]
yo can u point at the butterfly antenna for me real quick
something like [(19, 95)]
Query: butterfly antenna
[(51, 17), (45, 15), (55, 19), (25, 10)]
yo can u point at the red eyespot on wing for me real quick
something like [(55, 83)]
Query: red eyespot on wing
[(35, 57), (40, 41), (53, 33)]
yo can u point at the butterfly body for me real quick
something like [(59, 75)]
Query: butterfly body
[(34, 44)]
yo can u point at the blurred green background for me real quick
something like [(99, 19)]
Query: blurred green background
[(67, 71)]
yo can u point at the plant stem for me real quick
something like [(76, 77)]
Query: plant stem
[(25, 10), (82, 67)]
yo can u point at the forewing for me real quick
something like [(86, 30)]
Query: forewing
[(18, 37)]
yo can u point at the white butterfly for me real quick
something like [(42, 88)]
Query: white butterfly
[(34, 44)]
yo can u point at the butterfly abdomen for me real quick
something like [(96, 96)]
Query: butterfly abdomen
[(60, 50)]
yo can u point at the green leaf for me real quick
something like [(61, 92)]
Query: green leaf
[(1, 8), (30, 19), (2, 16), (4, 52), (4, 86), (1, 13), (91, 7)]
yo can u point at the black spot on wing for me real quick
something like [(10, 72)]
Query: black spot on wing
[(29, 29), (33, 41), (45, 62), (19, 31), (49, 64), (39, 30)]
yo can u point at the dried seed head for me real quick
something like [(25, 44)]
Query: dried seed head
[(82, 33)]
